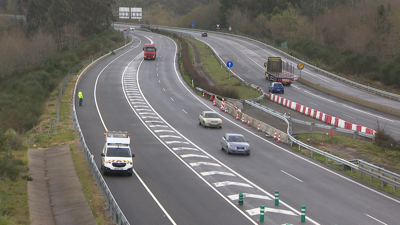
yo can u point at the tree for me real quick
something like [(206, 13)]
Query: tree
[(37, 14), (60, 15)]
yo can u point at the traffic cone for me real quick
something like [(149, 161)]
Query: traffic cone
[(259, 127), (214, 103), (226, 109), (243, 121), (248, 122), (237, 116), (279, 137), (275, 135), (203, 94), (331, 132)]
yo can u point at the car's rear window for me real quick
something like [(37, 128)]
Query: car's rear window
[(236, 139), (212, 115), (118, 152), (278, 85)]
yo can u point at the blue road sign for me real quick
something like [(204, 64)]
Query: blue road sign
[(229, 64), (192, 24)]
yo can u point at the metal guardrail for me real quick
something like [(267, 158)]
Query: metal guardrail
[(111, 204), (326, 73), (374, 172)]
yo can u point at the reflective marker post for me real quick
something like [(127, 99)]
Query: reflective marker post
[(262, 210), (276, 197), (303, 213), (240, 198)]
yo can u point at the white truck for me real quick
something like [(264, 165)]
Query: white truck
[(117, 156)]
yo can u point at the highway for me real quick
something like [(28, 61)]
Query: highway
[(249, 57), (182, 176)]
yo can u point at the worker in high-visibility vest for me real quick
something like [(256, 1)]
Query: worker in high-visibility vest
[(80, 95)]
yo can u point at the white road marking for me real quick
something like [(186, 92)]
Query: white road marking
[(229, 183), (159, 131), (194, 155), (312, 103), (172, 99), (349, 116), (184, 111), (150, 117), (249, 71), (291, 176), (242, 65), (210, 173), (154, 121), (204, 163), (170, 136), (368, 113), (159, 81), (320, 97), (147, 113), (157, 74), (177, 142), (184, 148), (256, 211), (141, 106), (163, 89), (295, 86), (395, 131), (375, 219), (247, 195), (158, 126)]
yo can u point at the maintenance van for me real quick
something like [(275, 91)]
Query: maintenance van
[(149, 51), (278, 71), (117, 156)]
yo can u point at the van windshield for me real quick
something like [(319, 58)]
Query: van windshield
[(149, 49), (118, 152)]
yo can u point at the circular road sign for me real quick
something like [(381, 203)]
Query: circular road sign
[(300, 66), (230, 28), (229, 64)]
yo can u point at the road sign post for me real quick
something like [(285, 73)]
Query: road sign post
[(300, 66), (229, 64), (193, 25)]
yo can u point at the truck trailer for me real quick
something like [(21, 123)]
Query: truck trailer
[(278, 71)]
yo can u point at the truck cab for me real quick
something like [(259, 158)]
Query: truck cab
[(116, 156), (149, 51)]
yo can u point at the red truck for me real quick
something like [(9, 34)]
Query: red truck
[(149, 51)]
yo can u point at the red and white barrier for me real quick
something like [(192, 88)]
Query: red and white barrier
[(320, 115)]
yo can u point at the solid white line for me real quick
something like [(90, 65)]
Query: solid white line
[(395, 131), (375, 219), (295, 86), (317, 76), (368, 113), (349, 116), (292, 176), (320, 97)]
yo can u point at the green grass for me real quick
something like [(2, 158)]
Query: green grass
[(363, 146)]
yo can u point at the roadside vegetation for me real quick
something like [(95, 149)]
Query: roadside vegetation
[(33, 63)]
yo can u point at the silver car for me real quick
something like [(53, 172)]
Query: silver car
[(235, 144), (210, 119)]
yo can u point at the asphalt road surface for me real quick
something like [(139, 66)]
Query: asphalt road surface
[(182, 176)]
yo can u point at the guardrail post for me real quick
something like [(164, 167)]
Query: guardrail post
[(303, 213), (326, 157), (372, 178), (276, 197), (312, 153), (262, 210)]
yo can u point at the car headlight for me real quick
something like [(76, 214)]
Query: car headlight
[(107, 163)]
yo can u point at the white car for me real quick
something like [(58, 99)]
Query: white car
[(131, 28), (210, 119)]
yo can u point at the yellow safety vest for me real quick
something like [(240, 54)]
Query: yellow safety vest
[(80, 94)]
